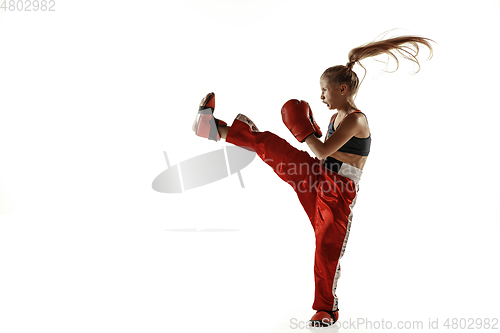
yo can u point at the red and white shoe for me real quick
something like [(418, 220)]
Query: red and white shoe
[(246, 120), (205, 124), (324, 318)]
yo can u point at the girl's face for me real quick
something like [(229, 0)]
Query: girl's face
[(331, 94)]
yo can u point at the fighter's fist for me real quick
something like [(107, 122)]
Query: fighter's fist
[(298, 118)]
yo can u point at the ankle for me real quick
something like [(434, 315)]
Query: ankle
[(223, 130)]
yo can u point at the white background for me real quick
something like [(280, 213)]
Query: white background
[(93, 93)]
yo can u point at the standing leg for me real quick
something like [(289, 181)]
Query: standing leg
[(332, 231)]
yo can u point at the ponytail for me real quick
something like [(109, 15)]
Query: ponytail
[(406, 46)]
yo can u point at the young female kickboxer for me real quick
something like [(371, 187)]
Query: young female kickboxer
[(326, 185)]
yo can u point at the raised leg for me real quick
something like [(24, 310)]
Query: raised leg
[(296, 167)]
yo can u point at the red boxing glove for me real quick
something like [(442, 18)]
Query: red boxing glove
[(298, 118)]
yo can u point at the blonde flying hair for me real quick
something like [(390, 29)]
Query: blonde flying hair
[(406, 46)]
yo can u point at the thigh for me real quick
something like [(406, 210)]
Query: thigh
[(294, 166)]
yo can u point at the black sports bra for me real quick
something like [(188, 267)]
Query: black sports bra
[(357, 146)]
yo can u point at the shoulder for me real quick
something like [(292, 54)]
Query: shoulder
[(357, 117), (355, 123)]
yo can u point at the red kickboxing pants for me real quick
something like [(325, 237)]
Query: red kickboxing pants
[(326, 196)]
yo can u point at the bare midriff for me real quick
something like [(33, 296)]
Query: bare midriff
[(351, 159)]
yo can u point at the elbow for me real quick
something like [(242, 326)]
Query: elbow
[(319, 151), (317, 147), (322, 155)]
